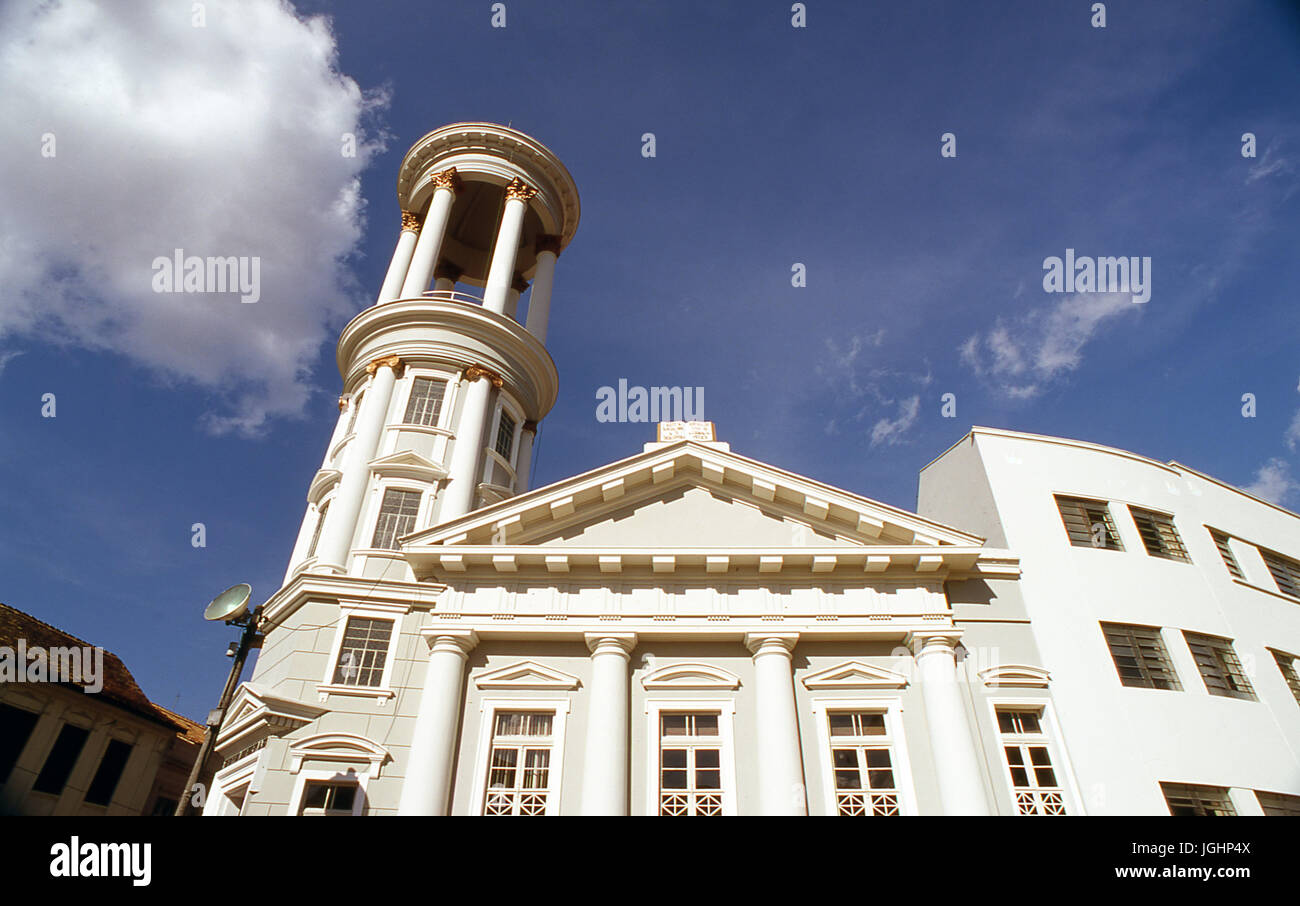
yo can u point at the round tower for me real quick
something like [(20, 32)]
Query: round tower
[(444, 387)]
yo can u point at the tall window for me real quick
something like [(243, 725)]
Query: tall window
[(1193, 799), (315, 534), (1159, 535), (109, 773), (1219, 666), (519, 767), (1088, 523), (690, 764), (1286, 572), (1140, 656), (397, 514), (331, 799), (1225, 551), (16, 725), (363, 652), (352, 418), (1285, 663), (1279, 804), (862, 759), (61, 760), (1034, 783), (505, 444), (425, 403)]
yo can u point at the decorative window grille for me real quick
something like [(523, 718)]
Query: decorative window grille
[(1159, 535), (1034, 784), (363, 652), (690, 764), (425, 403), (519, 767), (862, 760), (397, 514), (1140, 656), (1219, 666), (1088, 523), (1191, 799)]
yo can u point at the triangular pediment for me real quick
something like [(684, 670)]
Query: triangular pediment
[(256, 712), (408, 464), (855, 675), (690, 495), (525, 675)]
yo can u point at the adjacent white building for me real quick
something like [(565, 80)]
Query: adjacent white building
[(687, 631)]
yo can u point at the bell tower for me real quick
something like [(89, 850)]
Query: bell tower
[(444, 387)]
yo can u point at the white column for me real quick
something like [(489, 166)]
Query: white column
[(956, 760), (780, 759), (512, 297), (604, 768), (431, 235), (502, 270), (426, 786), (341, 524), (401, 261), (539, 302), (467, 453), (445, 276), (524, 462)]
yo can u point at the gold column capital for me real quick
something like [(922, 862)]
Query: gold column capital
[(447, 179), (410, 222), (392, 361), (474, 372), (343, 402), (518, 190)]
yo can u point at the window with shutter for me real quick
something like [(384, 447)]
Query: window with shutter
[(1088, 523)]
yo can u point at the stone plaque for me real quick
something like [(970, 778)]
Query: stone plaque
[(670, 432)]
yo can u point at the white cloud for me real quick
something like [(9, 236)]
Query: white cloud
[(1273, 482), (1042, 345), (221, 140), (1292, 436), (891, 431)]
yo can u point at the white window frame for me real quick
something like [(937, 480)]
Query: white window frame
[(368, 611), (245, 774), (488, 709), (505, 404), (902, 764), (1055, 747), (379, 486), (726, 708), (326, 775), (408, 387)]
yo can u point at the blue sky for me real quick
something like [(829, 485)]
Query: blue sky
[(774, 145)]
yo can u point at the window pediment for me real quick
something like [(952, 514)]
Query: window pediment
[(1015, 675), (855, 675), (337, 747), (525, 675), (690, 676)]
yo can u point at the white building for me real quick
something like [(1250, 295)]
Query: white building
[(685, 631), (1164, 604)]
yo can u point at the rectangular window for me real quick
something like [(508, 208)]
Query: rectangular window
[(164, 807), (109, 773), (1285, 663), (1088, 523), (1140, 656), (330, 799), (320, 524), (1279, 805), (397, 514), (1034, 783), (1192, 799), (1159, 535), (519, 765), (16, 727), (61, 760), (425, 404), (1219, 666), (505, 445), (1225, 551), (690, 764), (352, 418), (863, 761), (363, 652), (1286, 572)]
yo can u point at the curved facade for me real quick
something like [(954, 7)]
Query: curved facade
[(1161, 601)]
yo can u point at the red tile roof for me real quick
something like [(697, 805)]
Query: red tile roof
[(120, 687)]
